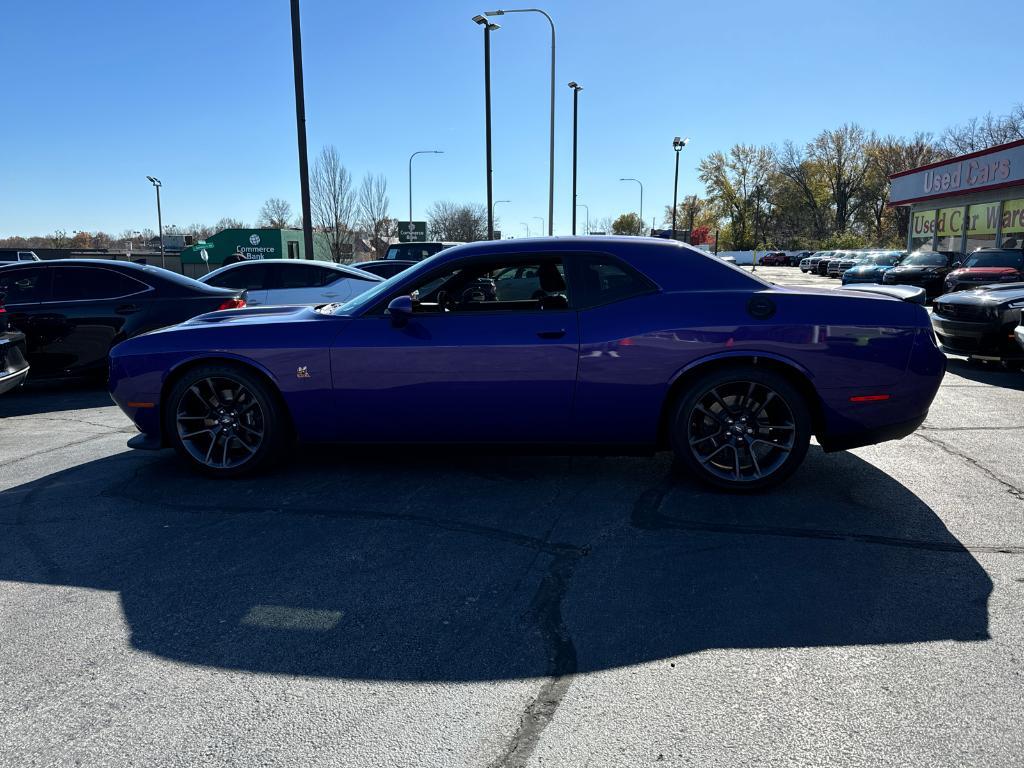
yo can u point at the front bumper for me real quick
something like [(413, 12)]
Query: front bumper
[(982, 340)]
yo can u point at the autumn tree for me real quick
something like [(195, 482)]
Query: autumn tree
[(736, 180)]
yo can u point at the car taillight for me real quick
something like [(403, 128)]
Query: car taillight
[(232, 304)]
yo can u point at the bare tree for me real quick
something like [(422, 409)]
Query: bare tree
[(229, 223), (59, 239), (333, 200), (373, 213), (794, 165), (276, 213), (988, 131), (463, 223)]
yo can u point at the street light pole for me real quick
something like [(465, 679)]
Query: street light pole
[(541, 223), (576, 88), (418, 152), (488, 28), (527, 227), (300, 129), (159, 219), (495, 205), (551, 141), (677, 145), (641, 202), (584, 205)]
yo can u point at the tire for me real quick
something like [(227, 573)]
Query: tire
[(224, 421), (728, 432)]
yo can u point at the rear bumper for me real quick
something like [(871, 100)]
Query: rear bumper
[(871, 436), (13, 365)]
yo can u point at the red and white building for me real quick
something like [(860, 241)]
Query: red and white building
[(969, 202)]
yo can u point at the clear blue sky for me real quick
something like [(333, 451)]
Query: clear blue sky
[(98, 95)]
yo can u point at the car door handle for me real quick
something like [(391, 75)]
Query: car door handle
[(127, 309), (552, 334)]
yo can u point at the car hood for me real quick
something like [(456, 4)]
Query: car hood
[(987, 294), (983, 272), (866, 269), (915, 270)]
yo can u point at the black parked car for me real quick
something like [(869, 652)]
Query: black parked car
[(927, 269), (385, 267), (72, 311), (980, 323)]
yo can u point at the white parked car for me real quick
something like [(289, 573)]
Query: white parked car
[(282, 281)]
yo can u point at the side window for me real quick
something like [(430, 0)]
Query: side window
[(22, 286), (495, 287), (251, 277), (305, 276), (605, 280), (90, 284)]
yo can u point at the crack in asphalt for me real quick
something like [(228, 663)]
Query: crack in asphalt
[(927, 428), (1009, 487)]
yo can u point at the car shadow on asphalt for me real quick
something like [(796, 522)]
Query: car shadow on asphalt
[(54, 396), (448, 566), (985, 373)]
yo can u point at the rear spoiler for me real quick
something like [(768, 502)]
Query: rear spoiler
[(911, 293)]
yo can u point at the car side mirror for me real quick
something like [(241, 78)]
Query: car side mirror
[(957, 265), (400, 309)]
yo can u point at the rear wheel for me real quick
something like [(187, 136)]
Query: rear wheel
[(224, 421), (741, 429)]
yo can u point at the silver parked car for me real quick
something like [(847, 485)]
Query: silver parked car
[(283, 281)]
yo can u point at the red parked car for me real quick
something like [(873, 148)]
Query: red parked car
[(775, 259), (985, 266)]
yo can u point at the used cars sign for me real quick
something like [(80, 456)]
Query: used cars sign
[(981, 170)]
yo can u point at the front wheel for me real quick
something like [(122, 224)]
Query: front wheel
[(741, 429), (224, 421)]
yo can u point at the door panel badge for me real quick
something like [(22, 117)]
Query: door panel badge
[(302, 372)]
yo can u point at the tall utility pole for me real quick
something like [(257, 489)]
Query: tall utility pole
[(488, 28), (584, 205), (300, 127), (576, 88), (159, 219), (551, 141)]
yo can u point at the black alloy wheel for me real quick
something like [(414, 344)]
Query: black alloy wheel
[(224, 421), (741, 429)]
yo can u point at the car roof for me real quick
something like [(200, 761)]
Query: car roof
[(345, 268)]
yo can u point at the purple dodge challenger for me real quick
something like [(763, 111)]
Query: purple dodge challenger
[(589, 343)]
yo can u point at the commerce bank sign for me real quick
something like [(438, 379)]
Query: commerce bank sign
[(971, 173)]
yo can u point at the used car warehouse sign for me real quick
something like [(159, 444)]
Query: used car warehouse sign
[(968, 174)]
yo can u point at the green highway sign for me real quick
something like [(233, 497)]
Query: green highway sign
[(202, 244)]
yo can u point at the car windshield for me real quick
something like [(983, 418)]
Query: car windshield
[(924, 259), (996, 259), (884, 260)]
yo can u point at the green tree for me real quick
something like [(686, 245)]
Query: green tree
[(628, 224), (736, 182)]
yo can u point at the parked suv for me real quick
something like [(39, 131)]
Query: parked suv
[(416, 251), (13, 255), (987, 265)]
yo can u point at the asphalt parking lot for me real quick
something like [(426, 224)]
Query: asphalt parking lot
[(445, 609)]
